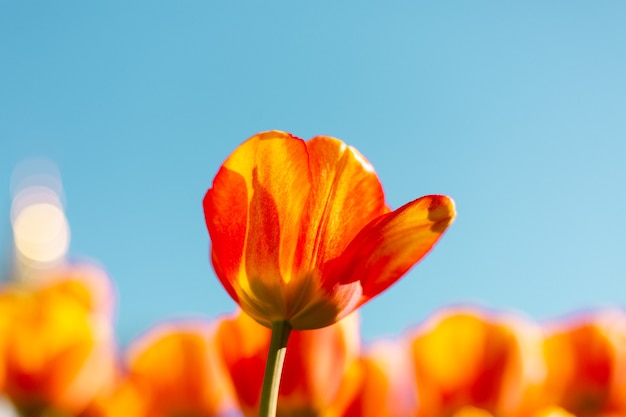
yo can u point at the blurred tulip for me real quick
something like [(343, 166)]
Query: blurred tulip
[(301, 233), (472, 363), (586, 363), (553, 412), (125, 399), (173, 371), (57, 348), (385, 385), (469, 411), (314, 370)]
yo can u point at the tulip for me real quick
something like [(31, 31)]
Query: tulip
[(316, 366), (57, 348), (126, 399), (301, 233), (586, 364), (174, 370), (553, 411), (301, 236), (472, 363), (385, 384)]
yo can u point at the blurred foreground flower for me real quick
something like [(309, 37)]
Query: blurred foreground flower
[(384, 383), (586, 364), (174, 370), (301, 232), (469, 362), (318, 367), (56, 341)]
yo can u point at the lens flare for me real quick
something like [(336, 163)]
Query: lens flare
[(40, 229)]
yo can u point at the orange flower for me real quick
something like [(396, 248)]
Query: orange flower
[(586, 364), (301, 232), (316, 365), (57, 345), (469, 362), (174, 370), (385, 384)]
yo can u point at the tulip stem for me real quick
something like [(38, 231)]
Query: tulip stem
[(274, 368)]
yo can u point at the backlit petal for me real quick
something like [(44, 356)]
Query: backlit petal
[(253, 213), (345, 196), (391, 244)]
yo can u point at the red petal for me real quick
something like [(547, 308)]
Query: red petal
[(226, 215)]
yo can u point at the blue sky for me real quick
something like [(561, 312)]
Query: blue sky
[(517, 111)]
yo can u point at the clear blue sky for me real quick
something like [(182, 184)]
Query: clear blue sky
[(517, 111)]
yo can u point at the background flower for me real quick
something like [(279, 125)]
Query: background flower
[(57, 348), (318, 369)]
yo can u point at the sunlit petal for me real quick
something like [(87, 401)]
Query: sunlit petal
[(390, 245), (345, 195)]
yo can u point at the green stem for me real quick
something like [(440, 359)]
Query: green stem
[(274, 368)]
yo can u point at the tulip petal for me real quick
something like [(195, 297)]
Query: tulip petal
[(345, 196), (253, 213), (226, 214), (391, 244)]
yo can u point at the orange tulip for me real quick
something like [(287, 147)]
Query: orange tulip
[(174, 370), (553, 411), (385, 383), (469, 362), (316, 366), (586, 364), (301, 232), (125, 399), (57, 346)]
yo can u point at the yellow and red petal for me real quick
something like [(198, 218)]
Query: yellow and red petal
[(345, 196), (390, 245), (253, 213)]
